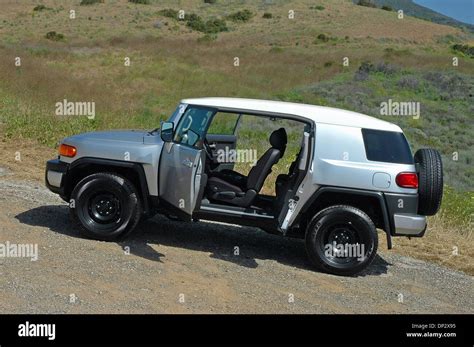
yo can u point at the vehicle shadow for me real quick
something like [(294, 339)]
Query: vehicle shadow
[(243, 246)]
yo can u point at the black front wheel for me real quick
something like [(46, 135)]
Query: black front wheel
[(105, 206), (341, 240)]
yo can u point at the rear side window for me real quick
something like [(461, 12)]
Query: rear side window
[(387, 146)]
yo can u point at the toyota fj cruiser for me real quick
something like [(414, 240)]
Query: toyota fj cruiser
[(352, 175)]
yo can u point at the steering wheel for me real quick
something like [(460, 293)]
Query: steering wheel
[(208, 150)]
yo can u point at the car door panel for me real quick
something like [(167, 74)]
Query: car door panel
[(180, 177), (220, 145)]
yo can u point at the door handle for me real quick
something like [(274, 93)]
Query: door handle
[(187, 162)]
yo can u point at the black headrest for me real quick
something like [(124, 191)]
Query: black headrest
[(278, 139)]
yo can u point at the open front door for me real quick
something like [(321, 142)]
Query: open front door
[(181, 177), (181, 169)]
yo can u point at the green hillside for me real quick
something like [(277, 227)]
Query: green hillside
[(412, 9)]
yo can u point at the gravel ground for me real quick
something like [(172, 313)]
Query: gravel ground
[(174, 267)]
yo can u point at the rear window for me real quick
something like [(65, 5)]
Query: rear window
[(387, 146)]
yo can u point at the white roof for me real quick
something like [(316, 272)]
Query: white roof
[(318, 114)]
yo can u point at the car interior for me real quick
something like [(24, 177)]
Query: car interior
[(230, 190)]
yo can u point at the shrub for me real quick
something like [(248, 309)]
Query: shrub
[(210, 1), (195, 22), (54, 36), (267, 15), (212, 26), (465, 49), (241, 16), (143, 2), (386, 69), (387, 8), (408, 82), (90, 2), (323, 37), (366, 3), (40, 8), (169, 12)]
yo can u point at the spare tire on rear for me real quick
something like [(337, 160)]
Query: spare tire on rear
[(430, 180)]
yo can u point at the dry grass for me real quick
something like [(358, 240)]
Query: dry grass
[(445, 245)]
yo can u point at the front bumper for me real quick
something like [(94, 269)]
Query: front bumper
[(409, 225), (55, 174)]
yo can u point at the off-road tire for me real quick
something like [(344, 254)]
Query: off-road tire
[(430, 181), (105, 206), (337, 219)]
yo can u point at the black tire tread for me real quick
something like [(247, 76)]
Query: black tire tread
[(319, 263), (135, 219), (430, 174)]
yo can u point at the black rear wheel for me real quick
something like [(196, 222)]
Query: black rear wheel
[(105, 206), (341, 240)]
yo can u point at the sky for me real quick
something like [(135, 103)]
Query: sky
[(462, 10)]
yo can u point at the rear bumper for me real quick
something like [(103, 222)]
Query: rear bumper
[(404, 217), (409, 225), (56, 171)]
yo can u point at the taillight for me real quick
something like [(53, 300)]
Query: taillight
[(407, 180), (67, 151)]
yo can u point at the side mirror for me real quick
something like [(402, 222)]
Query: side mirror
[(167, 131)]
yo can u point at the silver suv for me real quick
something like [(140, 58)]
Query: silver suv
[(352, 174)]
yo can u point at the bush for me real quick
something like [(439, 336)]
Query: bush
[(54, 36), (40, 8), (241, 16), (210, 1), (143, 2), (90, 2), (169, 12), (387, 8), (465, 49), (318, 7), (323, 37), (267, 15), (212, 26), (366, 3), (408, 82)]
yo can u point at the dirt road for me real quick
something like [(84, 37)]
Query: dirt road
[(174, 267)]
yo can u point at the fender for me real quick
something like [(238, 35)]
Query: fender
[(378, 195), (137, 167)]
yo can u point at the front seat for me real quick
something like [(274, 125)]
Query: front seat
[(233, 188)]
